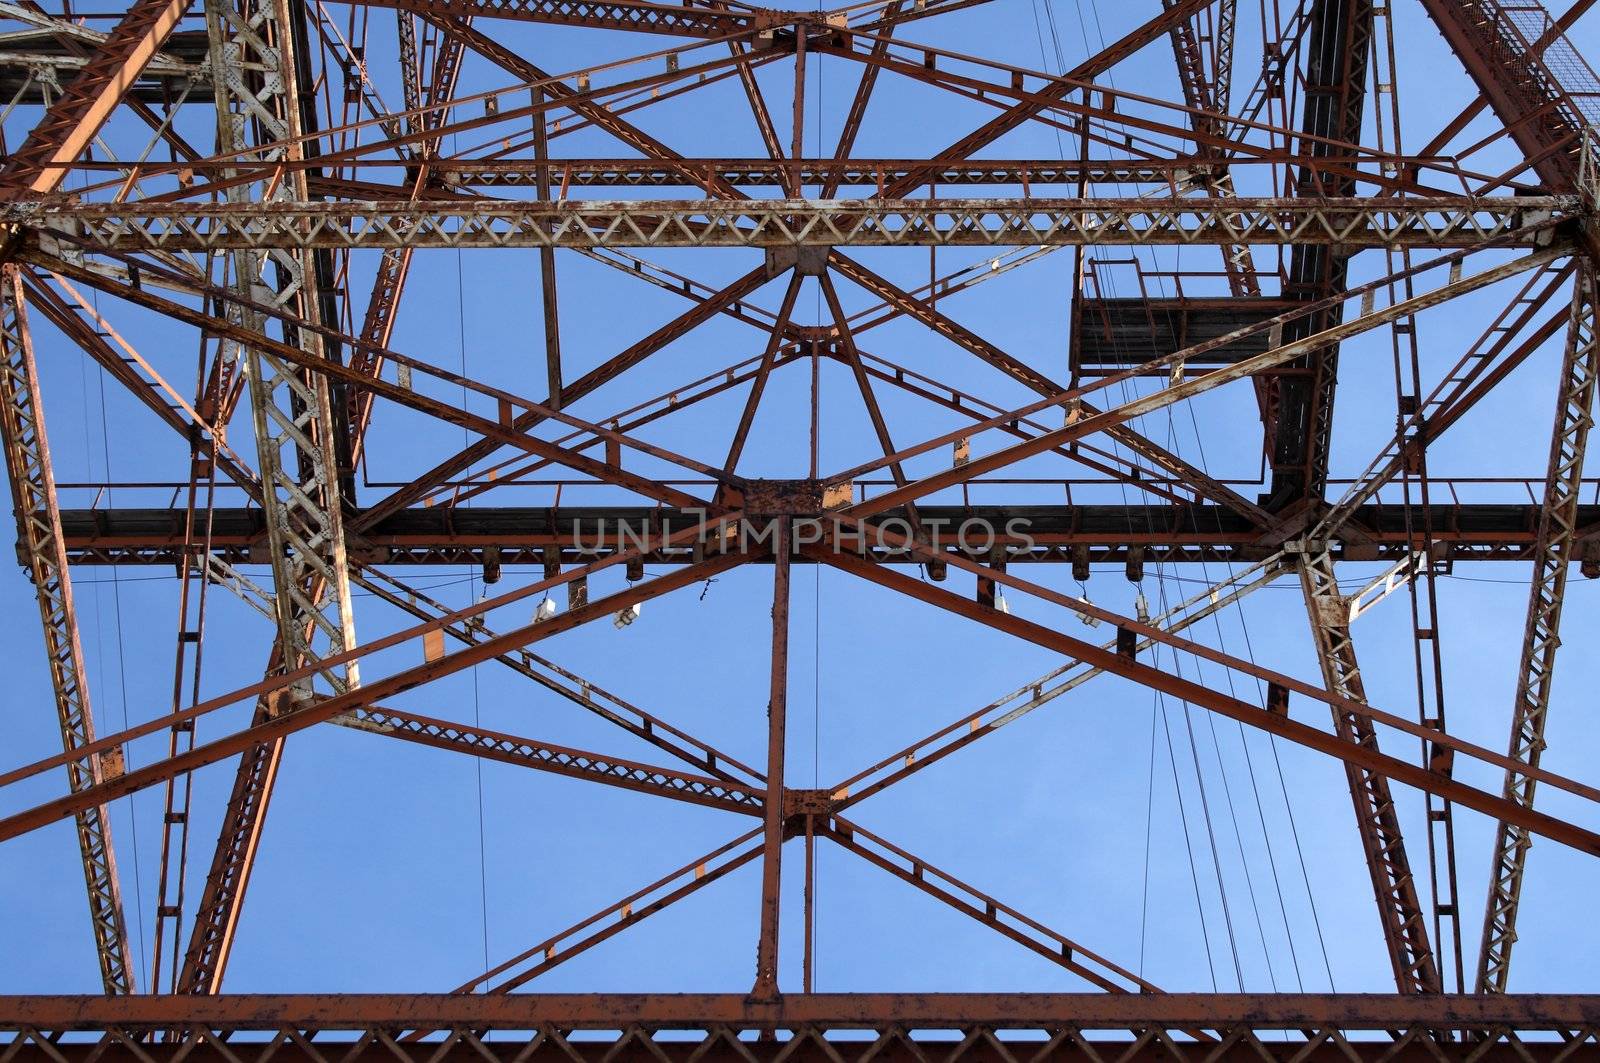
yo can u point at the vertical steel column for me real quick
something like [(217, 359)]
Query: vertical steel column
[(1405, 928), (766, 986), (1338, 52), (1553, 554), (1207, 88), (39, 538), (547, 264), (258, 102), (291, 411)]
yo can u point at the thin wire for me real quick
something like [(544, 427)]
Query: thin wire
[(1211, 835), (1183, 817), (122, 670), (1205, 811), (816, 589), (1272, 741), (477, 762), (1250, 767), (1149, 818), (1216, 748), (816, 676), (1117, 449), (1100, 31), (816, 572)]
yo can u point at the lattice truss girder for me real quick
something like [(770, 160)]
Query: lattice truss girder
[(253, 53), (1433, 222), (291, 410), (844, 1027), (1575, 411), (284, 207)]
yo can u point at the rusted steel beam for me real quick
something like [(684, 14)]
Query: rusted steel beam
[(758, 386), (1574, 417), (787, 175), (852, 357), (296, 715), (772, 831), (992, 913), (1226, 705), (41, 549), (686, 20), (1175, 533), (40, 163), (671, 170), (547, 270), (851, 126), (611, 920), (355, 1011), (1394, 887), (1458, 221), (857, 1026), (558, 760)]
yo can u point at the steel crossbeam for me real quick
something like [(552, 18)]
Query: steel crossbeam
[(1421, 222)]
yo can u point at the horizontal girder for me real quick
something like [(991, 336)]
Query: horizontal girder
[(1031, 176), (877, 1026), (688, 19), (514, 535), (870, 173), (1459, 221)]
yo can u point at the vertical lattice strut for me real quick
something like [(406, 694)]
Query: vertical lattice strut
[(252, 49), (1405, 929), (39, 537), (1553, 554)]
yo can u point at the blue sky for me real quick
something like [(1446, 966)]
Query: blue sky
[(386, 866)]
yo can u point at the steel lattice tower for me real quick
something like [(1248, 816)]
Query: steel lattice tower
[(257, 176)]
